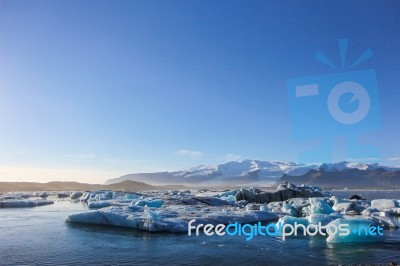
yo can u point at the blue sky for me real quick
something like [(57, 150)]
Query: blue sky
[(91, 90)]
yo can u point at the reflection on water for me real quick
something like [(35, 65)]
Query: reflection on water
[(40, 236)]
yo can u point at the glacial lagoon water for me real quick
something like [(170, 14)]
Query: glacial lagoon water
[(39, 236)]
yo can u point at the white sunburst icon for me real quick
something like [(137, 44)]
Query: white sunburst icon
[(357, 91), (342, 103)]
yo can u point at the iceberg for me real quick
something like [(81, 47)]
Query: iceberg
[(319, 205), (275, 206), (132, 196), (344, 206), (212, 201), (228, 193), (173, 218), (151, 214), (357, 231), (155, 203), (289, 209), (394, 211), (21, 203), (324, 219), (100, 204), (291, 220), (384, 204), (369, 211), (385, 220), (170, 211), (107, 195), (62, 195), (76, 195), (43, 195), (299, 203), (337, 200), (229, 198)]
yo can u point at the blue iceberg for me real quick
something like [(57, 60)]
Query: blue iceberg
[(154, 203), (320, 206), (353, 230)]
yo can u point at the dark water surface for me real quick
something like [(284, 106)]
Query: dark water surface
[(39, 236)]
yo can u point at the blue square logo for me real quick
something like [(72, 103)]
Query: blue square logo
[(342, 104)]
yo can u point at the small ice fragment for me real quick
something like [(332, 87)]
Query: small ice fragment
[(151, 214), (155, 203), (319, 205)]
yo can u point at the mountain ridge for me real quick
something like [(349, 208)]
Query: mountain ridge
[(242, 172), (350, 178)]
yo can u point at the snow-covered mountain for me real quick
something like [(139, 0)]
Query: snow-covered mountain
[(240, 172)]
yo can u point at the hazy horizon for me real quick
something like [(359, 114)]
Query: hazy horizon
[(43, 175)]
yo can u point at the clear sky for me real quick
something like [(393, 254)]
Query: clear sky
[(90, 90)]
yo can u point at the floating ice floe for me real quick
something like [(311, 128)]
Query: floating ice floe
[(324, 219), (344, 206), (284, 192), (151, 214), (132, 196), (369, 211), (229, 198), (358, 231), (101, 204), (62, 195), (228, 193), (172, 210), (385, 220), (170, 218), (289, 209), (43, 195), (155, 203), (292, 220), (319, 205), (21, 202), (76, 195), (384, 204)]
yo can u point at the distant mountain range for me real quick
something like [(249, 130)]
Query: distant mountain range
[(351, 178), (256, 172)]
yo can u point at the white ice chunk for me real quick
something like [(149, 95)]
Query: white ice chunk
[(155, 203), (99, 204), (324, 219), (131, 196), (369, 211), (319, 205), (291, 220), (151, 214), (385, 221), (289, 209), (337, 200), (171, 218), (229, 198), (384, 204), (21, 203), (76, 195), (344, 206), (228, 193)]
